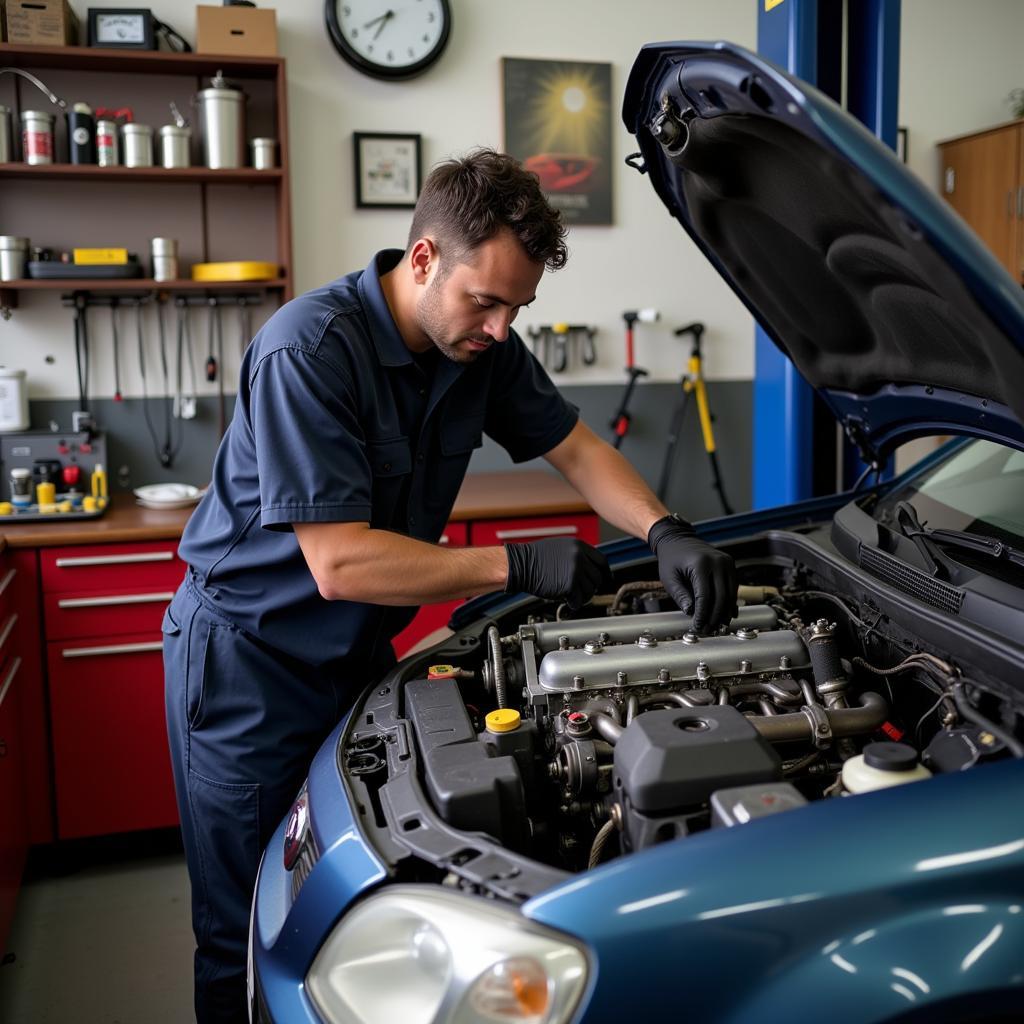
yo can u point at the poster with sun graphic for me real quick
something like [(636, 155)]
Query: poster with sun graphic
[(558, 124)]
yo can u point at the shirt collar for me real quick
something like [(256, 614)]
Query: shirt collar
[(391, 349)]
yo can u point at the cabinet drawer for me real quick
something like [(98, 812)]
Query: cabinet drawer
[(456, 535), (488, 532), (112, 769), (90, 613), (9, 587), (111, 567)]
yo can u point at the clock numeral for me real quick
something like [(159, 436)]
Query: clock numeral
[(391, 56), (370, 48), (411, 54), (426, 38), (355, 33), (430, 17), (346, 12)]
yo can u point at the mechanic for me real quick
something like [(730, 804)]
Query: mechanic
[(359, 406)]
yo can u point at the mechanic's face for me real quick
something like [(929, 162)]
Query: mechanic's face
[(467, 307)]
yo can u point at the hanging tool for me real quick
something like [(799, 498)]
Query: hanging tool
[(81, 419), (557, 346), (215, 359), (621, 420), (116, 342), (245, 319), (185, 404), (165, 450), (693, 384)]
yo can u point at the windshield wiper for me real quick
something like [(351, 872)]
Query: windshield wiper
[(927, 541)]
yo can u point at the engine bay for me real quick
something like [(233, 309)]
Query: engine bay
[(565, 738)]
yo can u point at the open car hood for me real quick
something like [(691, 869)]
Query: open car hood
[(885, 301)]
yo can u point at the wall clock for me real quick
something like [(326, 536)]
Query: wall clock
[(390, 39)]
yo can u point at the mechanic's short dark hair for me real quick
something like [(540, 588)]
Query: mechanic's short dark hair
[(468, 200)]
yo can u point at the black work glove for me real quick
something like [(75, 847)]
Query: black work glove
[(699, 578), (558, 567)]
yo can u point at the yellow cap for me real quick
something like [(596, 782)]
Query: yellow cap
[(6, 508), (65, 506), (88, 503), (560, 328), (503, 720)]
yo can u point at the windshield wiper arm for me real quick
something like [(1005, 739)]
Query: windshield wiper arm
[(927, 541)]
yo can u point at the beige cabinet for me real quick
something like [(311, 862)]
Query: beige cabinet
[(983, 180)]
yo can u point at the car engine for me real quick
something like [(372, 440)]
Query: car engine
[(574, 736)]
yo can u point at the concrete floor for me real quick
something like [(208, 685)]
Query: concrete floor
[(102, 936)]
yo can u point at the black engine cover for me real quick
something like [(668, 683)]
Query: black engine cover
[(672, 761)]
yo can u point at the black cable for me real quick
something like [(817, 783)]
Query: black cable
[(169, 449), (158, 451)]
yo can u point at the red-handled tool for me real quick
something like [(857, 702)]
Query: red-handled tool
[(622, 418)]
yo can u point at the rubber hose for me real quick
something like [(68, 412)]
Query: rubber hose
[(498, 665)]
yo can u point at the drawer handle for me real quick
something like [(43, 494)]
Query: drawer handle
[(7, 580), (537, 531), (7, 630), (15, 665), (100, 602), (96, 652), (145, 556)]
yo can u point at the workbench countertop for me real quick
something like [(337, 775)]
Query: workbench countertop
[(510, 495)]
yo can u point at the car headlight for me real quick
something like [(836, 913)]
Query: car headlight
[(419, 955)]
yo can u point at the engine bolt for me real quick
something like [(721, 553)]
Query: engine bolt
[(646, 639), (563, 643), (745, 665), (664, 676), (689, 637), (593, 647), (578, 682), (784, 661), (604, 637), (703, 672), (746, 633), (620, 678)]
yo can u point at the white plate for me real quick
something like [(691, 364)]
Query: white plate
[(168, 496)]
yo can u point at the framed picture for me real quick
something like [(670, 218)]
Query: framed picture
[(387, 169), (558, 124)]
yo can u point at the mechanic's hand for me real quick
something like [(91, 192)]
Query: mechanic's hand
[(699, 578), (558, 567)]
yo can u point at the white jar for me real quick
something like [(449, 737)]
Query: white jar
[(882, 765), (13, 401)]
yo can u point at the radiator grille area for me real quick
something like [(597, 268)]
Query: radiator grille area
[(304, 864), (911, 581)]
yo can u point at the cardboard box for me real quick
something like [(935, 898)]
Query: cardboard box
[(246, 30), (41, 22)]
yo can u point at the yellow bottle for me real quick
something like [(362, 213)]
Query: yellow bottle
[(98, 481)]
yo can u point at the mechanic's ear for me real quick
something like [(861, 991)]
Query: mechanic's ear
[(424, 259)]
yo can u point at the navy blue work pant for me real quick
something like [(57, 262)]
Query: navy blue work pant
[(244, 722)]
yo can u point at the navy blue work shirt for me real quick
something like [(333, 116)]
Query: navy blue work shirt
[(336, 422)]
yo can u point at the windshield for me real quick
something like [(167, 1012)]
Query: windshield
[(979, 488)]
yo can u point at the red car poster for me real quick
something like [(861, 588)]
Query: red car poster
[(558, 123)]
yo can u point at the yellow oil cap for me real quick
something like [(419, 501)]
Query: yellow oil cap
[(503, 720), (441, 672)]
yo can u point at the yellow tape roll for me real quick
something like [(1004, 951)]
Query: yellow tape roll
[(238, 270)]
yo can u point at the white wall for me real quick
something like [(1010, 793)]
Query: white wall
[(959, 61)]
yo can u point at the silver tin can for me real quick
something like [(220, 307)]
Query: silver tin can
[(107, 148), (13, 254), (264, 153), (174, 146), (37, 136), (165, 259), (138, 145), (6, 138), (222, 124)]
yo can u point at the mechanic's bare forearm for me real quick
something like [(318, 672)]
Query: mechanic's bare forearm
[(351, 562), (611, 486)]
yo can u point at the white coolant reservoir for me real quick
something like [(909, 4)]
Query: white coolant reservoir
[(882, 765)]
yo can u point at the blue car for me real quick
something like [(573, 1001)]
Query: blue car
[(597, 815)]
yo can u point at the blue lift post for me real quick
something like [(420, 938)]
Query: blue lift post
[(805, 37)]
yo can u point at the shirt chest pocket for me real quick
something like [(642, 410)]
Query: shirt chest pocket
[(457, 441), (390, 464)]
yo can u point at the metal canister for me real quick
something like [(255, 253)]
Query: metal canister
[(13, 254), (174, 146), (37, 136), (222, 124), (107, 149), (264, 153), (81, 134), (165, 259), (6, 138), (138, 145)]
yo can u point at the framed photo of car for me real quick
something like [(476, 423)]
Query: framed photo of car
[(388, 170)]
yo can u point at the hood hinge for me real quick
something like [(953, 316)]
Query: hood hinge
[(855, 432)]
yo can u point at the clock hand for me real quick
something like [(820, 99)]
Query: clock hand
[(384, 19)]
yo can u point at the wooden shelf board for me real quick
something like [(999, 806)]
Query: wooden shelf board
[(91, 172)]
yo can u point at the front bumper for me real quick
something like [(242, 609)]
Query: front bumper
[(286, 932)]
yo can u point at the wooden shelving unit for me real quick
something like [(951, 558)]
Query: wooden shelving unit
[(217, 215)]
